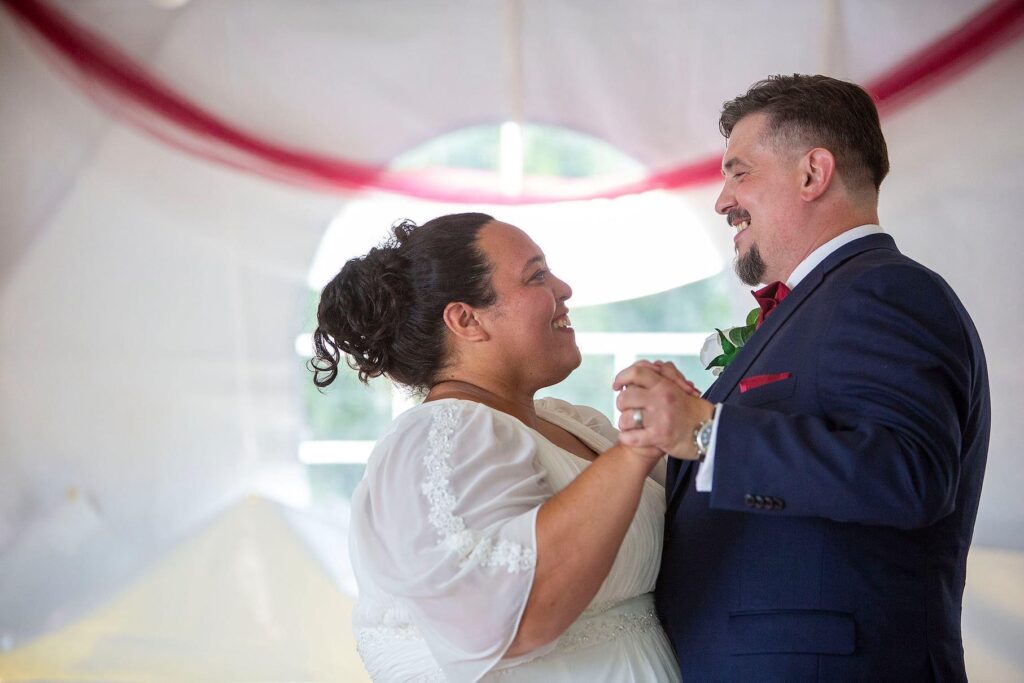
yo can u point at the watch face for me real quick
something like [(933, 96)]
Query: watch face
[(705, 436)]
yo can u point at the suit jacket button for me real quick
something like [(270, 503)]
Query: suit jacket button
[(749, 500), (778, 504), (759, 501)]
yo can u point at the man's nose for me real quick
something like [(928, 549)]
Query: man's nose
[(725, 200)]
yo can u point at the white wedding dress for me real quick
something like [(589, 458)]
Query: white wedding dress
[(443, 547)]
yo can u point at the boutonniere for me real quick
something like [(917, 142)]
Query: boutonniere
[(721, 347)]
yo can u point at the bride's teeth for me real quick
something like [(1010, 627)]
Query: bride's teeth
[(562, 322)]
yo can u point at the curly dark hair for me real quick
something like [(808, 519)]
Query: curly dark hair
[(822, 112), (384, 310)]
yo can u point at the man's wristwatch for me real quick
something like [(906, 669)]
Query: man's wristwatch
[(702, 435)]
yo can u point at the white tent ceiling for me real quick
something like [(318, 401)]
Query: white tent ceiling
[(149, 298)]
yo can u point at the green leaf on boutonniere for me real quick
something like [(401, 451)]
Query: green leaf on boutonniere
[(740, 335), (718, 362), (729, 351), (728, 348), (730, 341)]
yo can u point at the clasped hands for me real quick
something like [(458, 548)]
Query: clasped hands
[(669, 405)]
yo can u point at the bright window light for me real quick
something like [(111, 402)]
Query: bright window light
[(606, 249), (643, 247)]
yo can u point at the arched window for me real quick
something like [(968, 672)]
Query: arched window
[(648, 281)]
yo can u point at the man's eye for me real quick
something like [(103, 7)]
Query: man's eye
[(738, 174), (539, 275)]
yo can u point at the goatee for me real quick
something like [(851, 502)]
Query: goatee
[(750, 267)]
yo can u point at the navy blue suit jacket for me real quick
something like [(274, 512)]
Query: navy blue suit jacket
[(833, 545)]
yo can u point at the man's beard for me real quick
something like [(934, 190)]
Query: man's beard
[(750, 267)]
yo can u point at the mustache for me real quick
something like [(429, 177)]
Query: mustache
[(735, 216)]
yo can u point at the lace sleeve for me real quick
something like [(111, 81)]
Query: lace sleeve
[(446, 524)]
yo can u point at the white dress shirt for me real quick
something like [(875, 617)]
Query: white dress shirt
[(706, 471)]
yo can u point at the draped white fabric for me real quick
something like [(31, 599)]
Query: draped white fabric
[(149, 299)]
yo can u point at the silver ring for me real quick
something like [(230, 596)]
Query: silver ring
[(638, 418)]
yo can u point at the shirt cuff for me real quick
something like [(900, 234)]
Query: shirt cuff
[(706, 470)]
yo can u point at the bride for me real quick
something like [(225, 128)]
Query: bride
[(493, 536)]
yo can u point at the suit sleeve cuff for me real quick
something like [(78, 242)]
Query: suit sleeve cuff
[(706, 470)]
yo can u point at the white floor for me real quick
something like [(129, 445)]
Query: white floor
[(257, 595)]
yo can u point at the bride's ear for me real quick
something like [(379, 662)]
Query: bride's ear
[(462, 321)]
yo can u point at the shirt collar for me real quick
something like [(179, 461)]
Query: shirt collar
[(822, 252)]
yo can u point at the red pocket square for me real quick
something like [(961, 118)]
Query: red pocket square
[(756, 381)]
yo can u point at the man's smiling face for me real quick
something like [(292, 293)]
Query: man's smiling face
[(760, 199)]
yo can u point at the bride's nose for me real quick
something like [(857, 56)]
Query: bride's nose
[(562, 289)]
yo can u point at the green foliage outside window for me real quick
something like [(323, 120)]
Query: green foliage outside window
[(547, 151), (348, 409), (589, 385)]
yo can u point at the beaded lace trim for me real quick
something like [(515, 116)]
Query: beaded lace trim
[(604, 628), (374, 643), (472, 549), (599, 629)]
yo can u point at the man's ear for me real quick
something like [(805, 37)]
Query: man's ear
[(817, 169), (462, 321)]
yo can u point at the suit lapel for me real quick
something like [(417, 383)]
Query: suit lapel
[(737, 370), (723, 387)]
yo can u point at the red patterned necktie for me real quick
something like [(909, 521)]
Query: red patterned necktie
[(768, 297)]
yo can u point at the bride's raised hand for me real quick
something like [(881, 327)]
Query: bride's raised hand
[(645, 452)]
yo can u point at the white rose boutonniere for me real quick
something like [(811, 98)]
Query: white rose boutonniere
[(721, 347)]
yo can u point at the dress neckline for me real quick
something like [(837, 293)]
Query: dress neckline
[(590, 438)]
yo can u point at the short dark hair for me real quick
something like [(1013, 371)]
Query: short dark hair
[(821, 112), (385, 309)]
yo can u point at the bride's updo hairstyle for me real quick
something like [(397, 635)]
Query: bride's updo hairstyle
[(385, 310)]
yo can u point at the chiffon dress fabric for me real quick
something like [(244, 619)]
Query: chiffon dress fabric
[(444, 548)]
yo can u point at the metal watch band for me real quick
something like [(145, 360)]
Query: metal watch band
[(702, 435)]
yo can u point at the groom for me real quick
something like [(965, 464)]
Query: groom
[(823, 535)]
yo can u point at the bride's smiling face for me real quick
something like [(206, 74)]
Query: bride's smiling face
[(528, 326)]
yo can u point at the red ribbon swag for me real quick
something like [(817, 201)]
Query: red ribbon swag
[(98, 63)]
